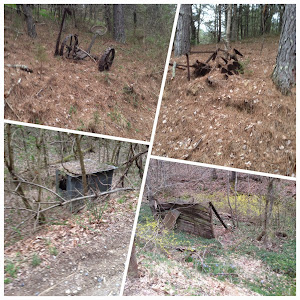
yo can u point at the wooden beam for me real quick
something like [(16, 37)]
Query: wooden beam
[(216, 213)]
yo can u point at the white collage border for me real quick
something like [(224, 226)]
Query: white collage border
[(149, 144)]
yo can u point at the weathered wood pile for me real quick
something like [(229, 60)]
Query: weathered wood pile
[(187, 216)]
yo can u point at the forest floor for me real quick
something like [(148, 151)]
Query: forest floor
[(74, 94), (82, 255), (243, 122), (234, 263)]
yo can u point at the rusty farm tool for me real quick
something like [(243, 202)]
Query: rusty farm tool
[(70, 49)]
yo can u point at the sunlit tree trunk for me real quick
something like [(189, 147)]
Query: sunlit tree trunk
[(183, 31), (229, 9), (119, 25), (284, 74)]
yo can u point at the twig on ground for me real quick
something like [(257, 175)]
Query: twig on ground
[(21, 67)]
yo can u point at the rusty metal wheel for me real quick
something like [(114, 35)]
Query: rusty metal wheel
[(68, 46), (106, 59)]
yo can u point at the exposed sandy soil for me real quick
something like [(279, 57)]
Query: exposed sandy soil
[(243, 122), (90, 256), (74, 94)]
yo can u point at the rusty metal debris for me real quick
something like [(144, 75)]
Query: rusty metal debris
[(70, 49)]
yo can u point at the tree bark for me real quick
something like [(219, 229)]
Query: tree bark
[(66, 11), (9, 162), (119, 25), (29, 20), (228, 25), (220, 23), (182, 43), (133, 265), (234, 23), (83, 173), (107, 16), (284, 74)]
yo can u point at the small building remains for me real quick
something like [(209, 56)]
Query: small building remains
[(69, 180), (186, 215)]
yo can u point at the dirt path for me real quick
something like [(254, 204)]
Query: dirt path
[(90, 259)]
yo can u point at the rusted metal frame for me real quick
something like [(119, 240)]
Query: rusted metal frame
[(198, 52), (188, 66)]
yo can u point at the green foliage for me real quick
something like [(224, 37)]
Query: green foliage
[(40, 54), (95, 210), (7, 280), (121, 200), (72, 110), (244, 68), (130, 95), (53, 251), (11, 269), (209, 257), (36, 260)]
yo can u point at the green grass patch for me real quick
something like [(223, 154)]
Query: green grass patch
[(11, 269), (36, 260)]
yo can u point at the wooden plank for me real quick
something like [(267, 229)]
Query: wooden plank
[(216, 213), (170, 219)]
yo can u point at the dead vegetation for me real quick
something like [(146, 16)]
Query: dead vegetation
[(74, 94), (242, 121)]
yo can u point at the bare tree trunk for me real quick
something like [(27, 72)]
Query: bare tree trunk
[(29, 20), (214, 175), (220, 23), (119, 25), (235, 202), (66, 11), (133, 265), (107, 16), (284, 74), (228, 25), (83, 173), (182, 44), (234, 23), (229, 204), (10, 164), (268, 212), (41, 217)]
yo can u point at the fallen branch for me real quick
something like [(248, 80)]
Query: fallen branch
[(6, 94), (40, 186), (21, 67), (8, 104), (186, 156)]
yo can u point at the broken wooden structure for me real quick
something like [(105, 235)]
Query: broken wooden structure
[(226, 62), (70, 49), (69, 180), (187, 216)]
